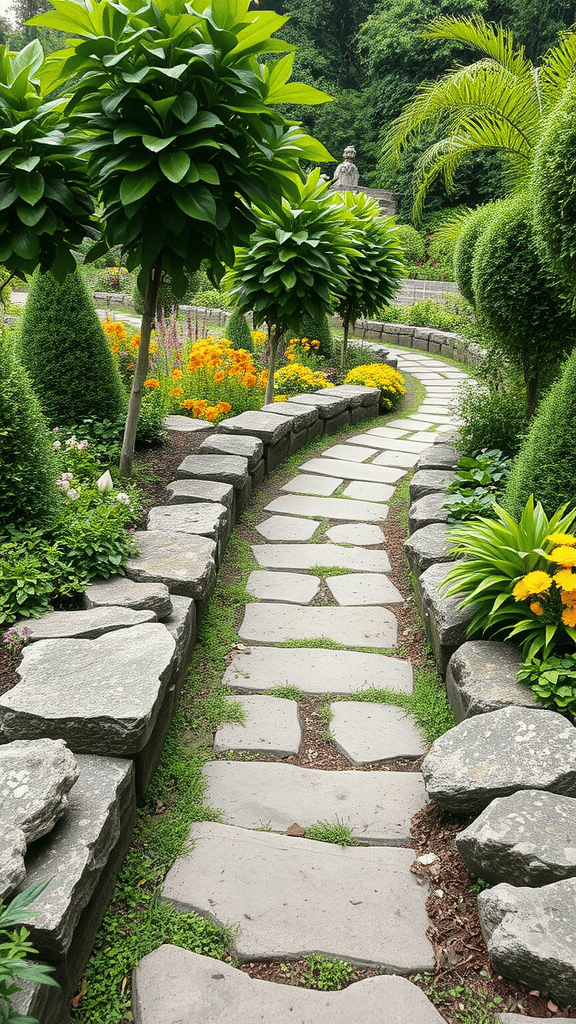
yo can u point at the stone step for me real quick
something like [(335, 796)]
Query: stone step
[(398, 460), (333, 508), (316, 671), (350, 471), (291, 587), (307, 483), (370, 588), (361, 490), (353, 627), (364, 534), (85, 625), (287, 528), (403, 445), (350, 453), (172, 984), (121, 592), (369, 733), (292, 896), (271, 726), (378, 806), (305, 556)]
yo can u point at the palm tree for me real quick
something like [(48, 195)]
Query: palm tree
[(498, 103)]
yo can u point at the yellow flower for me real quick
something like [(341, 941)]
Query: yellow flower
[(569, 598), (565, 579), (562, 538), (569, 616), (533, 583), (176, 392), (152, 383), (176, 374), (280, 398), (224, 407), (219, 377), (563, 555), (187, 404), (211, 413), (536, 608)]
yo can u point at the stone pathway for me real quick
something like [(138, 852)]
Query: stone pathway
[(289, 896)]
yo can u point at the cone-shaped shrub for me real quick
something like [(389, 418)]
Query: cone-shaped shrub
[(27, 465), (546, 463), (318, 330), (239, 333), (66, 353)]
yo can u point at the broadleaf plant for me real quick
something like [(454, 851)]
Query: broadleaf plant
[(175, 119), (14, 951)]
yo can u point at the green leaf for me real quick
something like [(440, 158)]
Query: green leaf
[(25, 244), (30, 215), (185, 107), (30, 186), (136, 186), (199, 206), (111, 102), (207, 172), (175, 72), (28, 165), (174, 165), (156, 145)]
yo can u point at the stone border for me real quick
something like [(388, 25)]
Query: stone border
[(273, 435)]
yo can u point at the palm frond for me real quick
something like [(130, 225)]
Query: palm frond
[(493, 40), (556, 70)]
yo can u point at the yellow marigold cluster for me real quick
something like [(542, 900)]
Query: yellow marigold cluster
[(532, 584), (220, 360), (260, 338), (201, 410), (298, 345), (295, 378), (117, 335), (566, 539), (376, 375), (563, 555)]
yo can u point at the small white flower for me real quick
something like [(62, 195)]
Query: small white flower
[(105, 483), (83, 445), (64, 484), (71, 441), (55, 430), (73, 494), (56, 446), (123, 498), (67, 476)]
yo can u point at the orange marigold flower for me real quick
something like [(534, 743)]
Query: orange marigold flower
[(199, 407), (176, 392), (115, 347), (219, 377), (176, 374), (152, 383), (211, 413), (569, 616), (250, 380), (569, 598), (536, 608), (224, 407), (187, 404)]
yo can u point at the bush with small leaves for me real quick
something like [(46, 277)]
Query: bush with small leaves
[(239, 333), (465, 247), (411, 243)]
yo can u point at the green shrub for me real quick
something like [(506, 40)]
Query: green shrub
[(546, 463), (211, 298), (554, 189), (27, 464), (168, 303), (66, 353), (516, 297), (492, 417), (465, 248), (411, 242), (318, 330), (238, 332)]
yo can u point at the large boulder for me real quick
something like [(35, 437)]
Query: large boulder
[(12, 850), (427, 546), (427, 510), (499, 753), (35, 779), (125, 593), (445, 621), (481, 677)]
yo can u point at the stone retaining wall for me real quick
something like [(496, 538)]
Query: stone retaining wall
[(107, 680)]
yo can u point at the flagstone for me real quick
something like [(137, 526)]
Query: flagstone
[(412, 423), (356, 533), (361, 490), (306, 483), (336, 467), (316, 670), (353, 627), (305, 556), (369, 733), (389, 432), (403, 445), (404, 460), (291, 587), (427, 436), (350, 453), (271, 726), (371, 588), (287, 528), (378, 806), (291, 896), (186, 492), (331, 508)]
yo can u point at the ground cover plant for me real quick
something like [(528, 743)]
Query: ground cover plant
[(477, 485)]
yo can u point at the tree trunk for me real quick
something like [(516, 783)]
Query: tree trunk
[(531, 381), (274, 339), (344, 348), (141, 371)]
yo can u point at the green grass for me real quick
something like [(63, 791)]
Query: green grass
[(337, 832), (477, 1007), (427, 703), (322, 571), (326, 975), (287, 692)]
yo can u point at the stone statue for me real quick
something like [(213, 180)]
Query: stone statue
[(346, 176)]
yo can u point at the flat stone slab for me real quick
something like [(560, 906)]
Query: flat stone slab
[(350, 453), (361, 395), (411, 423), (427, 510), (269, 427), (250, 448), (373, 733), (287, 528), (12, 850), (353, 627), (228, 469), (399, 444), (35, 779), (272, 726), (377, 437), (351, 471), (57, 694), (307, 483), (306, 556), (85, 624), (481, 677), (520, 1018), (371, 588), (124, 593), (74, 854), (186, 492), (287, 587), (428, 546), (529, 836), (398, 460), (378, 806), (446, 623), (330, 508), (172, 984), (429, 481), (529, 934), (268, 884), (427, 436), (362, 491), (184, 562), (439, 456), (301, 415), (356, 533), (328, 405), (497, 754), (203, 519), (181, 624), (314, 670), (186, 424)]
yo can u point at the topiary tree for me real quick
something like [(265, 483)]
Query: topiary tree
[(176, 119), (66, 353), (554, 189), (27, 465), (546, 463), (411, 243), (297, 255), (374, 269), (318, 330), (472, 230), (516, 296), (239, 333)]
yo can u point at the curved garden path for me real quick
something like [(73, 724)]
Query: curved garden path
[(290, 896)]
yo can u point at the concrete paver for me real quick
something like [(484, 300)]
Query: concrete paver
[(331, 508), (306, 483), (306, 556), (337, 467), (371, 588), (361, 490), (350, 453), (356, 533), (287, 528)]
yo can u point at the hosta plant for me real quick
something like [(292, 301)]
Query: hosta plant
[(552, 681), (517, 576)]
